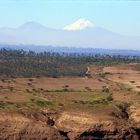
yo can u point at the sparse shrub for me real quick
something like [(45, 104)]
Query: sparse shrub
[(1, 87), (46, 90), (60, 104), (41, 89), (107, 73), (101, 74), (75, 101), (138, 93), (2, 104), (132, 81), (95, 102), (3, 80), (35, 90), (17, 105), (109, 98), (34, 94), (54, 76), (66, 86), (9, 102), (105, 89), (82, 102), (29, 84), (138, 86), (87, 88), (28, 90), (32, 100), (129, 88), (11, 88), (100, 80), (30, 80)]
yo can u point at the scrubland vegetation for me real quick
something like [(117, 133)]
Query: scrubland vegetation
[(28, 64), (70, 96)]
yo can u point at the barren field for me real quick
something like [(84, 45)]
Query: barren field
[(124, 74), (103, 105)]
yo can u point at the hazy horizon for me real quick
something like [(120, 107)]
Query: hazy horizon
[(118, 16), (92, 24)]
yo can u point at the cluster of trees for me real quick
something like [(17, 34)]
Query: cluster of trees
[(28, 64)]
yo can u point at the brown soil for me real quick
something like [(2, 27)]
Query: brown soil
[(72, 108), (124, 74)]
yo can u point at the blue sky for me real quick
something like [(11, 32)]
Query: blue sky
[(121, 16)]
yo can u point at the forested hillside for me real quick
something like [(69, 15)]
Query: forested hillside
[(27, 64)]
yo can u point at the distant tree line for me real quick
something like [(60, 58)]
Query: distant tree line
[(28, 63)]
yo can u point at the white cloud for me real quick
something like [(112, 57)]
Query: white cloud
[(80, 24)]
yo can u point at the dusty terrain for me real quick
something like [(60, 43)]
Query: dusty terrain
[(124, 74), (103, 105)]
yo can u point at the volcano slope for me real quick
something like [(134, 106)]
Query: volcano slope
[(104, 105)]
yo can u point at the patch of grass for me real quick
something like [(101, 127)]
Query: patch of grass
[(41, 103), (63, 90), (35, 103), (78, 99), (101, 101), (125, 87), (101, 74), (60, 100), (38, 101)]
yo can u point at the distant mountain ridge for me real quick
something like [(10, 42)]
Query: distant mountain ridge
[(94, 37), (72, 50)]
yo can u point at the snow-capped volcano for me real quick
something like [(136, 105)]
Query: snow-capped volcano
[(81, 33), (80, 24)]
